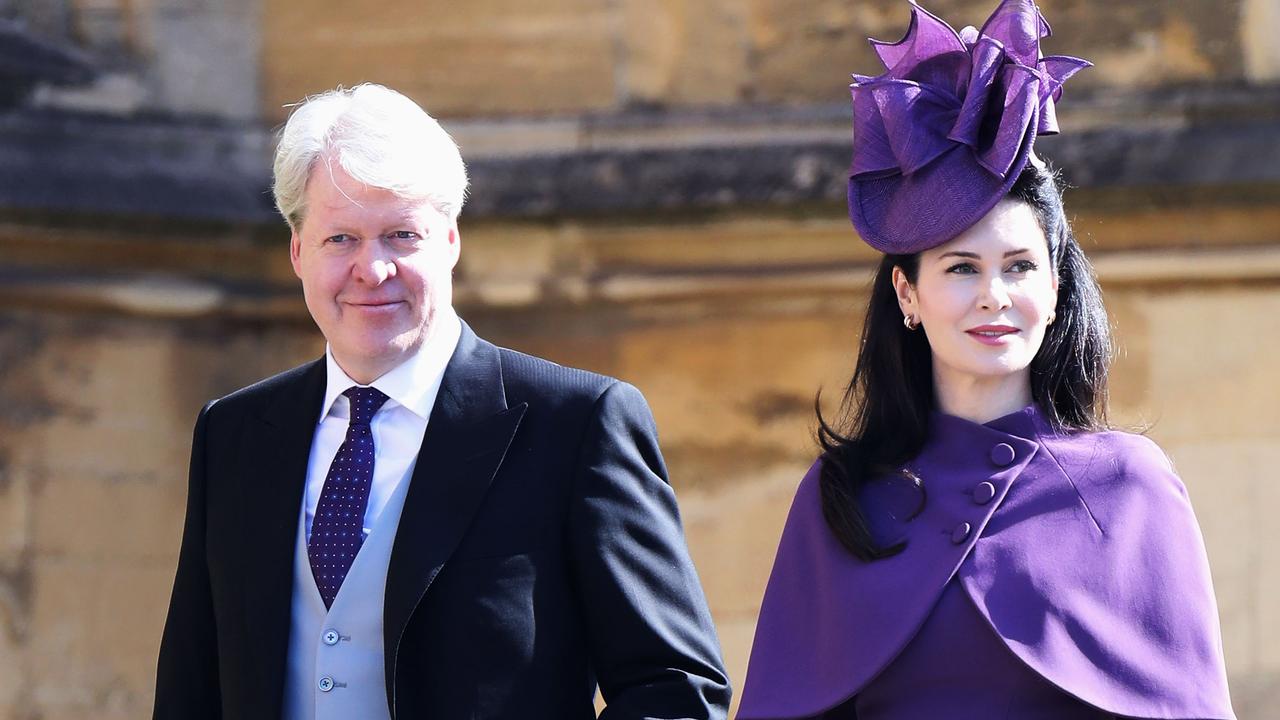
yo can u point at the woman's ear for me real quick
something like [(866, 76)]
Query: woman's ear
[(905, 292)]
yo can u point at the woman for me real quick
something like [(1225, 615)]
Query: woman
[(973, 542)]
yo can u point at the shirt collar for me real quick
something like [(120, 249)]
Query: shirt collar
[(413, 383)]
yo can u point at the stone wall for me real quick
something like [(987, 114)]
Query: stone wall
[(95, 432), (657, 196), (508, 57), (729, 325), (168, 57)]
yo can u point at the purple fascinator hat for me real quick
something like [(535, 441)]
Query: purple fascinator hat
[(943, 134)]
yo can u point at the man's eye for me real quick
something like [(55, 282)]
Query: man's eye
[(404, 235), (337, 239)]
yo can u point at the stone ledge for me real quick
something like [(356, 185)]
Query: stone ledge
[(144, 168), (636, 163), (754, 125), (27, 61), (159, 296), (174, 297)]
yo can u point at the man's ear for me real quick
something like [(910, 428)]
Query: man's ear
[(455, 244), (295, 253)]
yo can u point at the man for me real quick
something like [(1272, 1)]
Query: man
[(421, 524)]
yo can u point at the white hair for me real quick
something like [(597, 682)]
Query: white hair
[(377, 136)]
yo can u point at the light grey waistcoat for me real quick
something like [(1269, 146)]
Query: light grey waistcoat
[(335, 668)]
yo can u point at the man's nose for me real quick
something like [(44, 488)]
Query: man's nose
[(373, 264)]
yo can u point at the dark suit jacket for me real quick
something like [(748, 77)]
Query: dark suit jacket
[(540, 551)]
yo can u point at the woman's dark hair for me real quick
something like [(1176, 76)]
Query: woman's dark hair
[(884, 416)]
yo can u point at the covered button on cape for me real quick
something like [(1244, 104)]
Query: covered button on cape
[(1080, 551)]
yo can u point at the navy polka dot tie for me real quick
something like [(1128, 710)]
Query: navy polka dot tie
[(337, 530)]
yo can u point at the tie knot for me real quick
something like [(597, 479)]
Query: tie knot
[(365, 402)]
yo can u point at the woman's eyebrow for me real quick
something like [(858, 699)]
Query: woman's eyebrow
[(975, 256)]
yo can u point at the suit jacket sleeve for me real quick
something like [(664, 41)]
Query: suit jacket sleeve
[(187, 676), (652, 642)]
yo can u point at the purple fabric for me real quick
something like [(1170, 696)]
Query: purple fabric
[(1093, 574), (337, 530), (942, 135), (955, 661)]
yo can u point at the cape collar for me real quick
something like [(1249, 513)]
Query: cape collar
[(1029, 423)]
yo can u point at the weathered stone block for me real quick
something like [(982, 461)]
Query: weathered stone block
[(1264, 460), (804, 50), (727, 385), (684, 52), (744, 523), (101, 518), (736, 635), (1129, 386), (506, 265), (1259, 26), (15, 506), (734, 243), (1149, 42), (1235, 333), (206, 57), (1223, 486), (95, 634), (12, 674), (111, 413), (492, 56)]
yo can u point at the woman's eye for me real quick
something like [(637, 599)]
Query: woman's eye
[(1023, 266), (962, 269)]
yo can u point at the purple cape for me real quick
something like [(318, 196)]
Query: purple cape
[(1092, 571)]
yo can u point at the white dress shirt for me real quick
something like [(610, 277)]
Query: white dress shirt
[(398, 426)]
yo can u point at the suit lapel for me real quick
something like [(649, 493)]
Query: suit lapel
[(467, 437), (277, 447)]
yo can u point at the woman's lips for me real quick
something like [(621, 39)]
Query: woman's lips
[(991, 334)]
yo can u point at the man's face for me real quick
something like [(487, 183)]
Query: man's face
[(375, 269)]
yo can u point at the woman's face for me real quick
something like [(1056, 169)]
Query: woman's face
[(984, 298)]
